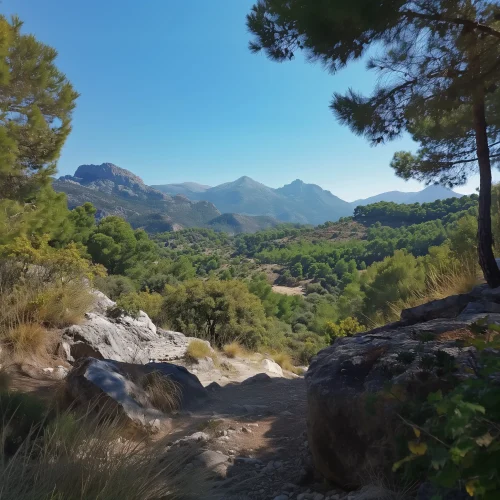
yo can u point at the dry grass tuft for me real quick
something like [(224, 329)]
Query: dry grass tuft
[(440, 283), (65, 305), (198, 349), (458, 279), (285, 361), (234, 350), (27, 339), (163, 392), (74, 458)]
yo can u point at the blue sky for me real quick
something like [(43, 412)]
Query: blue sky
[(170, 91)]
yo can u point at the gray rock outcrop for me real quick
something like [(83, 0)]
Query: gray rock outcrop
[(352, 423), (121, 338), (121, 389)]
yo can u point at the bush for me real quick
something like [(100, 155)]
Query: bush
[(31, 295), (284, 360), (343, 328), (218, 311), (133, 303), (27, 339), (234, 350), (453, 436), (198, 349), (114, 286), (21, 415)]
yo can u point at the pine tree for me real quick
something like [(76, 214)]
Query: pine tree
[(439, 68), (36, 104)]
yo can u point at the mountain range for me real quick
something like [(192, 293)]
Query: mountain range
[(295, 202), (244, 205)]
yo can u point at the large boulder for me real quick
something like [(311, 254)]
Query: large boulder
[(107, 335), (449, 307), (352, 421), (122, 388)]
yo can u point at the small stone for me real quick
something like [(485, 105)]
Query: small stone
[(278, 464), (286, 413), (281, 497), (289, 487), (246, 430), (318, 496)]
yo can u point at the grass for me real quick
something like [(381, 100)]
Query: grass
[(32, 302), (64, 305), (285, 361), (28, 339), (75, 457), (440, 283), (234, 350), (163, 392), (198, 349)]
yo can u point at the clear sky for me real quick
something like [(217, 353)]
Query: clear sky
[(170, 91)]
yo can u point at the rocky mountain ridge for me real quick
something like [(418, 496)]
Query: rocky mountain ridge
[(244, 205), (297, 202), (117, 191)]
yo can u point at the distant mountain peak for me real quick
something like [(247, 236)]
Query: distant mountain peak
[(246, 181), (107, 171)]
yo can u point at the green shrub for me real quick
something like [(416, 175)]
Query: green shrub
[(454, 436), (343, 328), (133, 303), (198, 349), (115, 286)]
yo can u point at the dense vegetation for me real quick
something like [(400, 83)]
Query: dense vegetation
[(438, 66), (393, 214)]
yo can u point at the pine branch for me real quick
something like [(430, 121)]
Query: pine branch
[(458, 21)]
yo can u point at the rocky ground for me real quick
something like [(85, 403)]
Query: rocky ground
[(247, 429)]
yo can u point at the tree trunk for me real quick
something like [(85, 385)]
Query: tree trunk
[(485, 238)]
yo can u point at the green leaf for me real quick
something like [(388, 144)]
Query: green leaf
[(433, 397), (475, 407), (405, 460)]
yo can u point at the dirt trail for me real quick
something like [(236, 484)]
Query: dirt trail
[(253, 439), (259, 425)]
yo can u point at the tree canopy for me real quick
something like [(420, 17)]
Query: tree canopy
[(439, 71)]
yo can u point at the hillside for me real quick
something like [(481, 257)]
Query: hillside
[(237, 223), (246, 205), (427, 195), (296, 202), (186, 188), (116, 191)]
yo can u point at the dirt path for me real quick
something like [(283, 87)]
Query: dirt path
[(254, 438), (250, 436)]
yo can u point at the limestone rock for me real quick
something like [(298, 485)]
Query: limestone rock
[(272, 367), (122, 338), (345, 440), (118, 387)]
